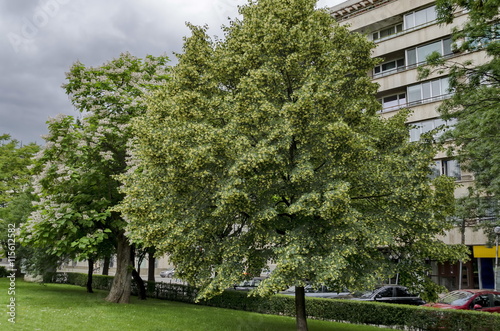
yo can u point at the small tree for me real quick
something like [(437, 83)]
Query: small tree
[(15, 199), (266, 147), (71, 218), (77, 167)]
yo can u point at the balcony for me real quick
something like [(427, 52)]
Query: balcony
[(415, 36), (406, 75), (418, 103)]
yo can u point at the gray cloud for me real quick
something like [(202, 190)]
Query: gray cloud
[(40, 40)]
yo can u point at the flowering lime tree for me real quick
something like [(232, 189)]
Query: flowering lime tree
[(266, 147), (76, 168)]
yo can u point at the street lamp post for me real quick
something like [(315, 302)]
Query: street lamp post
[(497, 232)]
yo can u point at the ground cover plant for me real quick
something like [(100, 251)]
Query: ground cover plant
[(67, 307)]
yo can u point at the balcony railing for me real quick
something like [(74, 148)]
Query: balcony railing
[(405, 31), (416, 103), (409, 67)]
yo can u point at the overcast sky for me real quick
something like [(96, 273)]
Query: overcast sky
[(41, 39)]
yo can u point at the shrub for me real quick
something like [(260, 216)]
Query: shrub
[(3, 272), (99, 282)]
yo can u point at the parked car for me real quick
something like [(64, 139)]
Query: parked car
[(167, 273), (248, 285), (480, 300), (389, 294), (265, 273), (317, 292)]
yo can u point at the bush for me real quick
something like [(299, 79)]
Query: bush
[(3, 272), (99, 282)]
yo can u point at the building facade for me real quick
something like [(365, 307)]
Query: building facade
[(405, 33)]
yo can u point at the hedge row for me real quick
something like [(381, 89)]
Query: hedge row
[(396, 316)]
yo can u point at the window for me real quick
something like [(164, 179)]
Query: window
[(419, 128), (420, 17), (393, 102), (386, 32), (496, 300), (482, 300), (428, 91), (488, 209), (401, 292), (419, 54), (388, 67), (386, 293), (480, 42), (447, 167)]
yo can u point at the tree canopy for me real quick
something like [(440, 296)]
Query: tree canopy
[(14, 173), (475, 104), (266, 147), (15, 187)]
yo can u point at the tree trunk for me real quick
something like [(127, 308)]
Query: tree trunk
[(120, 289), (137, 277), (140, 258), (151, 264), (105, 265), (89, 275), (140, 285), (18, 266), (300, 309), (462, 241)]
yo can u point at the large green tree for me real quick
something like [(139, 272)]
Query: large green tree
[(76, 169), (475, 104), (267, 147)]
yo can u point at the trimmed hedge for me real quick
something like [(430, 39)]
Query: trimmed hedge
[(357, 312), (239, 300), (99, 282)]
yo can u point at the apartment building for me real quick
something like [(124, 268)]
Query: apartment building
[(405, 33)]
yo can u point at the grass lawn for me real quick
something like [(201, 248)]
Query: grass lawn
[(54, 307)]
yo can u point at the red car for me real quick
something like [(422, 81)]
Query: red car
[(480, 300)]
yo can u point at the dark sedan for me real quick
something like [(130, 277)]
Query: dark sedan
[(390, 294), (479, 300)]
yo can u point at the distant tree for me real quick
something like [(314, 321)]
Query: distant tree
[(15, 200), (77, 167), (475, 104), (14, 173), (266, 147)]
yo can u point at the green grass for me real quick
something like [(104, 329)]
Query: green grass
[(54, 307)]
